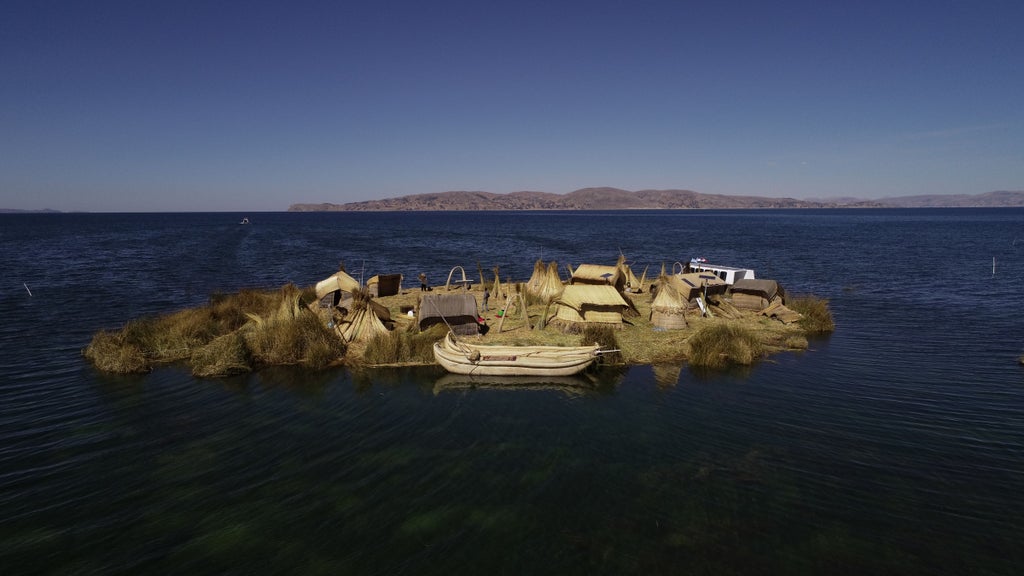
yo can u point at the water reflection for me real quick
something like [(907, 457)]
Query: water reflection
[(568, 385), (667, 375)]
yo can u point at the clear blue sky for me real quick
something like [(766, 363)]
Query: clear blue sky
[(248, 106)]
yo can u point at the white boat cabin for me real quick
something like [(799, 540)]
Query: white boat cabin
[(728, 274)]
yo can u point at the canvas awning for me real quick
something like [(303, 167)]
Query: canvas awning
[(766, 289), (337, 281)]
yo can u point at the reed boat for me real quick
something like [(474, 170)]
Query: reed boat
[(460, 357)]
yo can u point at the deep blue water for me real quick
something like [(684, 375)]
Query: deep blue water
[(893, 446)]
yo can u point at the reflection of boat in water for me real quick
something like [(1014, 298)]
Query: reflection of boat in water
[(667, 375), (244, 221), (476, 359), (570, 385)]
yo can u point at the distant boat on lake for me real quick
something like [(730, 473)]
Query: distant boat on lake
[(244, 220)]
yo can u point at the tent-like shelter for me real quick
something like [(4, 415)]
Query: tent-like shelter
[(336, 290)]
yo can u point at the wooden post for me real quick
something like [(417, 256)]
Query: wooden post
[(504, 313), (526, 315)]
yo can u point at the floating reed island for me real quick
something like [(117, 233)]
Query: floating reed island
[(691, 313)]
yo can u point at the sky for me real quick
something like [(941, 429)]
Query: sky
[(145, 106)]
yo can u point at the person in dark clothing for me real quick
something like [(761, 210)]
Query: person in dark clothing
[(487, 295), (423, 282)]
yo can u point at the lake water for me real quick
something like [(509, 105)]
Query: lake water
[(893, 446)]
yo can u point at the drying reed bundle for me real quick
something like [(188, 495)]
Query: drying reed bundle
[(362, 323), (496, 287), (545, 285)]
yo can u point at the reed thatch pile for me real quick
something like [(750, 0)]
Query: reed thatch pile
[(362, 323)]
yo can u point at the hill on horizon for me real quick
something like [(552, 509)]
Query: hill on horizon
[(606, 198)]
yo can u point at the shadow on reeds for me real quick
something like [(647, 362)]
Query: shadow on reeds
[(604, 336)]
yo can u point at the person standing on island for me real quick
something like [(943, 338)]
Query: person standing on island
[(487, 294), (423, 282)]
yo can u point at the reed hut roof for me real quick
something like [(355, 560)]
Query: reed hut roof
[(672, 295), (578, 295), (589, 304), (670, 303), (596, 274)]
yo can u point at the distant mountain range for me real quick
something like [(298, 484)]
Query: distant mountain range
[(618, 199), (17, 211)]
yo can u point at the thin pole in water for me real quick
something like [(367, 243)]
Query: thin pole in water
[(26, 288), (993, 265)]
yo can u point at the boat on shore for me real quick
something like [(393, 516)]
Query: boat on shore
[(460, 357)]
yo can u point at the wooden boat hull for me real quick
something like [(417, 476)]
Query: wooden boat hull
[(471, 359)]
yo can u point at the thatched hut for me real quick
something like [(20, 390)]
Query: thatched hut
[(750, 294), (582, 304), (384, 285), (457, 311), (668, 309)]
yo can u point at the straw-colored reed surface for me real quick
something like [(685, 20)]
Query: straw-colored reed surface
[(817, 317), (232, 334), (242, 332)]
